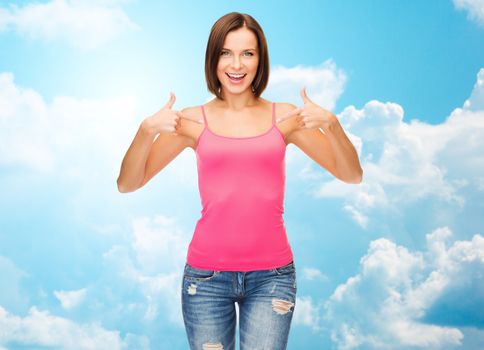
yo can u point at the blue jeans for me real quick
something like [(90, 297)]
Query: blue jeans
[(266, 301)]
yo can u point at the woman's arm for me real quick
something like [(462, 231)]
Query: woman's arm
[(145, 157), (347, 164), (329, 147), (132, 170)]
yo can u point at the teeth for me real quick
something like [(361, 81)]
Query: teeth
[(236, 75)]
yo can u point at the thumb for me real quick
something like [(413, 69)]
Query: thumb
[(171, 101), (304, 96)]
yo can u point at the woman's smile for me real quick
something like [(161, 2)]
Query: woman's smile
[(236, 78)]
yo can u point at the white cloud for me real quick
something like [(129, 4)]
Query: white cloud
[(306, 313), (360, 218), (40, 328), (475, 8), (476, 101), (404, 162), (160, 248), (154, 265), (70, 299), (84, 24), (324, 83), (74, 137), (158, 237), (313, 274), (390, 300), (82, 140)]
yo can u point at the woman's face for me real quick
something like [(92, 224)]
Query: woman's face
[(239, 56)]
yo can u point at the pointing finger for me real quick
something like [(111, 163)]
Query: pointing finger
[(290, 114), (193, 118)]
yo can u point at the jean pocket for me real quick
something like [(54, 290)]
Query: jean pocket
[(195, 274), (288, 268)]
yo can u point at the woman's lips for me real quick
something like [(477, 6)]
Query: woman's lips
[(235, 80)]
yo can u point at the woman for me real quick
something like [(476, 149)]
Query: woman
[(239, 252)]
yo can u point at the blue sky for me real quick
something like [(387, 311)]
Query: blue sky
[(395, 261)]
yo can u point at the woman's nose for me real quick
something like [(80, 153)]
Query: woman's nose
[(236, 62)]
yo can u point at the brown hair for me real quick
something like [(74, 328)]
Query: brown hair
[(220, 29)]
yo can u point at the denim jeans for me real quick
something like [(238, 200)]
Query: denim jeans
[(266, 300)]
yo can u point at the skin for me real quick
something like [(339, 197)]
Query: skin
[(313, 129)]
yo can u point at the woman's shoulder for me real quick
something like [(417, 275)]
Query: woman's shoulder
[(279, 105), (189, 126), (284, 107), (191, 110), (196, 110)]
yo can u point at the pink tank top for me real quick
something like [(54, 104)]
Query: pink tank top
[(241, 182)]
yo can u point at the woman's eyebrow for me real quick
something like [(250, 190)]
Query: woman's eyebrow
[(224, 48)]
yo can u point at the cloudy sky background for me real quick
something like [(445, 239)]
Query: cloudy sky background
[(395, 262)]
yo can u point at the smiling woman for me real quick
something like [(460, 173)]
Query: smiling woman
[(237, 50), (239, 252)]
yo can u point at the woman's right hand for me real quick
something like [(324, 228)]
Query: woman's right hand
[(167, 120)]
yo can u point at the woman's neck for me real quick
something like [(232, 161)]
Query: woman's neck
[(238, 101)]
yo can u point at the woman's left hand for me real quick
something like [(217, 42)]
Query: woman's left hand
[(313, 116)]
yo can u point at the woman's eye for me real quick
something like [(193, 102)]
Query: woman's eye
[(225, 53)]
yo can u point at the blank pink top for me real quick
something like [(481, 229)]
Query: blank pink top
[(241, 182)]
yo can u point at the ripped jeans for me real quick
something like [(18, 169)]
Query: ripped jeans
[(266, 300)]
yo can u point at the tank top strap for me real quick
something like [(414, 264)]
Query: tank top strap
[(204, 117), (273, 113)]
